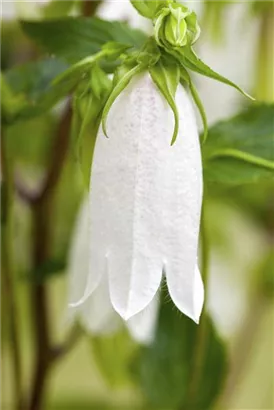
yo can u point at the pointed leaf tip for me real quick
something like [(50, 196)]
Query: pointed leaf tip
[(193, 62)]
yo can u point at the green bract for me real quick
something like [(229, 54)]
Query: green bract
[(147, 8), (88, 101), (175, 26)]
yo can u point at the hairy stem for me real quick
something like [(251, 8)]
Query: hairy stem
[(9, 295)]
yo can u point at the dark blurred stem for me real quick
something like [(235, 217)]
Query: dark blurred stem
[(9, 295), (41, 207), (39, 307), (89, 7), (201, 340), (41, 202)]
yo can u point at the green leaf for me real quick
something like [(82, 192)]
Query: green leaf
[(166, 77), (191, 61), (112, 355), (11, 103), (165, 368), (87, 106), (57, 8), (116, 91), (74, 74), (31, 84), (73, 39), (240, 150), (147, 8), (48, 269), (186, 77)]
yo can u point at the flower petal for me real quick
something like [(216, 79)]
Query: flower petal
[(87, 266), (145, 199), (78, 263), (198, 294), (184, 210), (142, 326), (126, 194), (97, 313)]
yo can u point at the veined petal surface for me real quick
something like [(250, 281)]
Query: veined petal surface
[(145, 199)]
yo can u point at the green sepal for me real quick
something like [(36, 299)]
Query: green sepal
[(190, 60), (149, 54), (186, 77), (110, 50), (147, 8), (166, 77), (99, 82), (88, 102), (120, 83)]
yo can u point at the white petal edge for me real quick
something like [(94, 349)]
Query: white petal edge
[(142, 326), (78, 261), (97, 313)]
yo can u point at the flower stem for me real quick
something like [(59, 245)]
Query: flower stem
[(264, 87), (243, 156), (202, 330), (9, 295)]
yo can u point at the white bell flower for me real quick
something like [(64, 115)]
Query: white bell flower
[(96, 314), (145, 203)]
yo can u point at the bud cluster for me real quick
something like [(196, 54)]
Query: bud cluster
[(175, 26)]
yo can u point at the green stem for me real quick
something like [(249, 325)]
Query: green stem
[(243, 156), (264, 86), (7, 272), (202, 331)]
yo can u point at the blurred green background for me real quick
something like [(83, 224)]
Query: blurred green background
[(113, 371)]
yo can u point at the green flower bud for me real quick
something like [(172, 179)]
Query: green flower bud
[(175, 26)]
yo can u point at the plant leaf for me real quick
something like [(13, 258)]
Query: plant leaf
[(31, 84), (57, 8), (148, 8), (164, 369), (240, 150), (191, 61), (112, 354), (76, 71), (167, 77), (73, 39)]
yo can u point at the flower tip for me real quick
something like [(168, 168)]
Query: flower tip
[(196, 320), (79, 302), (173, 139)]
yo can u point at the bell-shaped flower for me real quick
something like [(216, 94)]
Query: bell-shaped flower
[(96, 314), (145, 203)]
